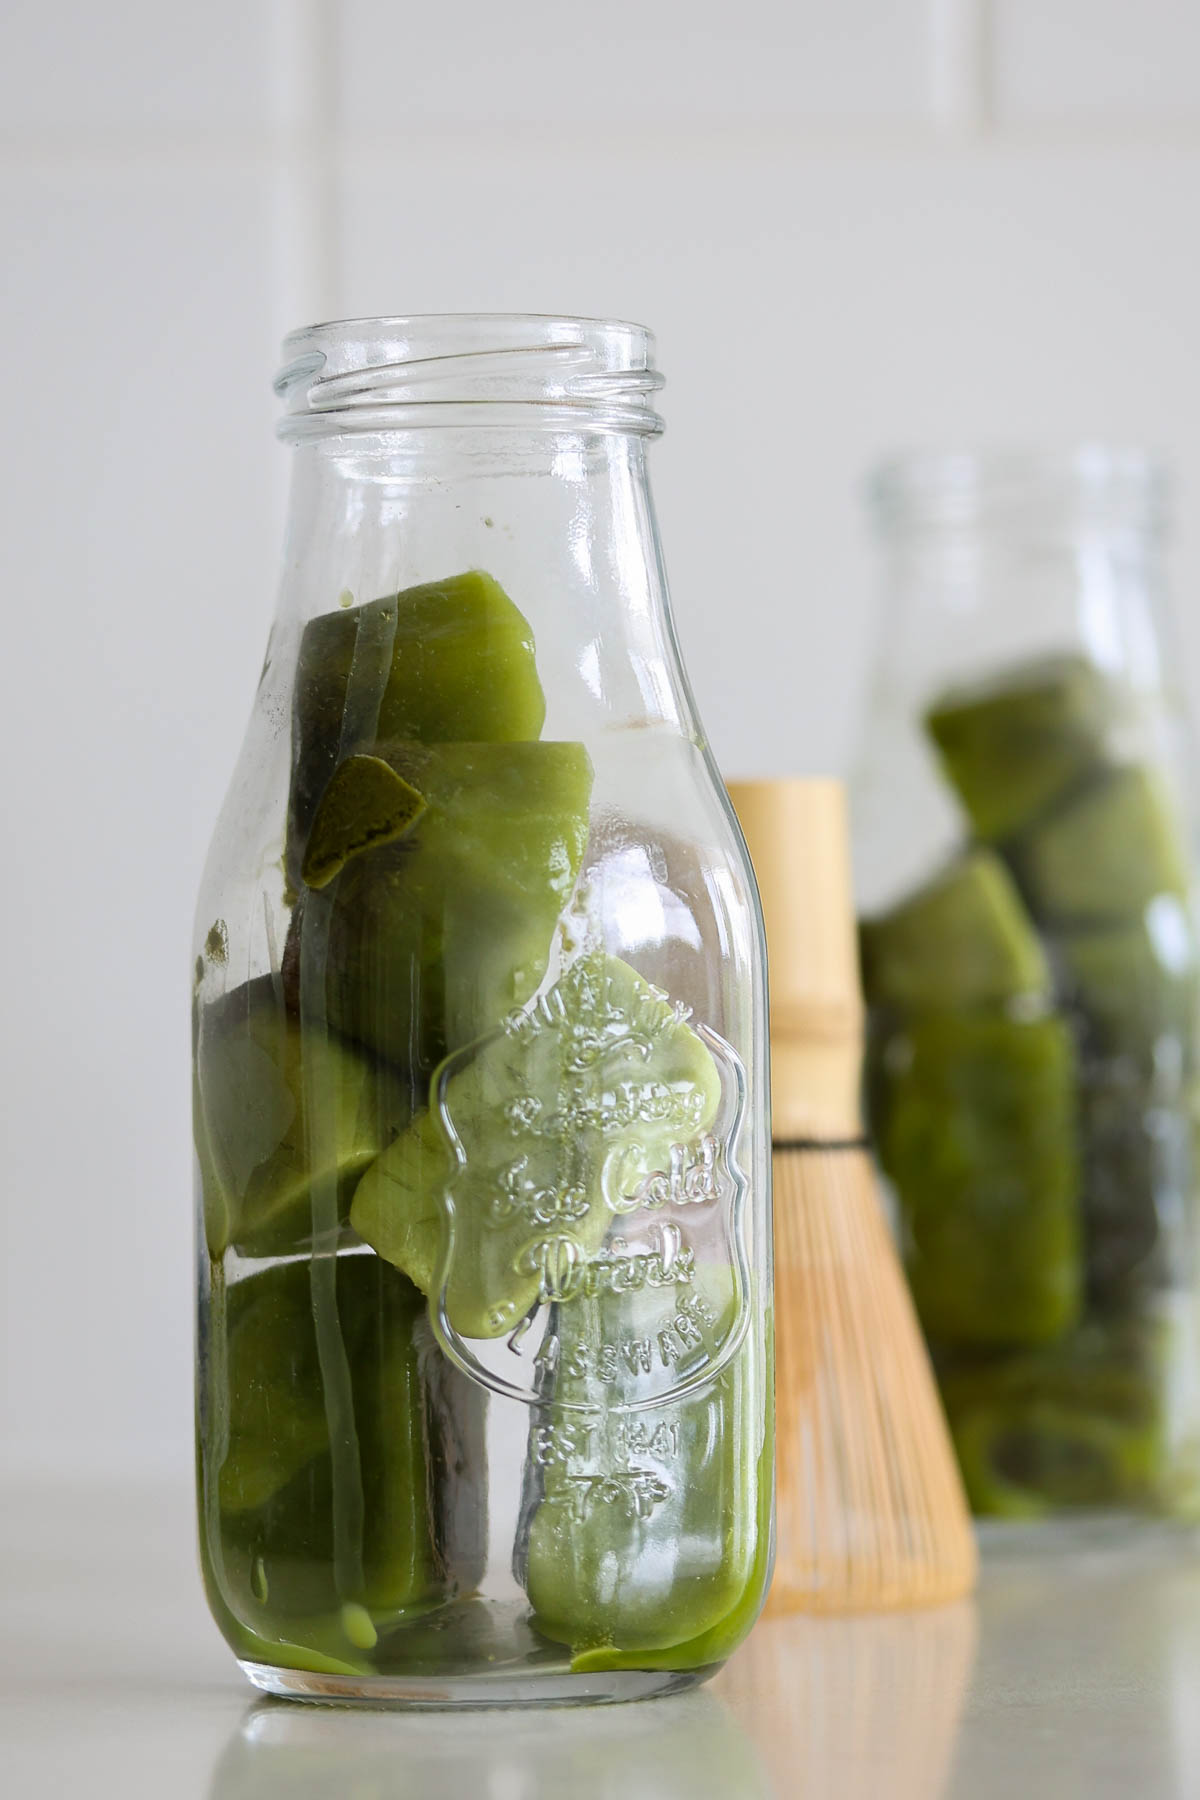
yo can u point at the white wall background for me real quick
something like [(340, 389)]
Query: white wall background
[(853, 223)]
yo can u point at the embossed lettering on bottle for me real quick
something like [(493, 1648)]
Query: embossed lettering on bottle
[(605, 1166)]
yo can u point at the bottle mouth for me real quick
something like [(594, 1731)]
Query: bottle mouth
[(526, 370), (1099, 484)]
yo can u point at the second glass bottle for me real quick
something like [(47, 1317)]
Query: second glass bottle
[(1025, 871)]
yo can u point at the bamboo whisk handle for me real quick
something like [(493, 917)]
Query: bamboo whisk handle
[(799, 843), (870, 1507)]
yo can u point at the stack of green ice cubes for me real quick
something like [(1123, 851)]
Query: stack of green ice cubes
[(1030, 1065), (433, 842)]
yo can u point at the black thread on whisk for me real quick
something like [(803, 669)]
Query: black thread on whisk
[(854, 1143)]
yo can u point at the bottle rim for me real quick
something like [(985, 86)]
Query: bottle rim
[(1092, 483), (404, 372)]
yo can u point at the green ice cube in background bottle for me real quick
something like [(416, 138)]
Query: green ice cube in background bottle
[(1013, 745), (1077, 1424), (975, 1125), (1139, 1161), (1106, 853), (1135, 983), (964, 940)]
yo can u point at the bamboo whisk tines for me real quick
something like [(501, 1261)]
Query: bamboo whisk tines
[(870, 1507)]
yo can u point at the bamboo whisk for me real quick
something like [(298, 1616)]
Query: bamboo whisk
[(870, 1507)]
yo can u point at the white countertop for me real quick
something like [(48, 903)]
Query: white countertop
[(1074, 1676)]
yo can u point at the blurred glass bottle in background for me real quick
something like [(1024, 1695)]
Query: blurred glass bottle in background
[(1025, 871)]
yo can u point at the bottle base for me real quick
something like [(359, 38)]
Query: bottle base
[(603, 1688)]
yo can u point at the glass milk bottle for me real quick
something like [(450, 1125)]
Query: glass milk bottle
[(482, 1150)]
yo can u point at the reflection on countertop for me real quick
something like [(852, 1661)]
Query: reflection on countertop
[(1073, 1676), (860, 1708), (675, 1749), (852, 1708)]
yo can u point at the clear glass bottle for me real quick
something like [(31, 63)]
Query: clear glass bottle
[(1025, 873), (484, 1392)]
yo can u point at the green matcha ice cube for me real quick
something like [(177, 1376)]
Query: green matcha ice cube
[(556, 1117), (1106, 853), (1135, 983), (1078, 1424), (647, 1531), (1015, 745), (259, 1151), (365, 805), (416, 1425), (447, 661), (429, 942), (1139, 1184), (962, 941), (973, 1115), (275, 1404), (721, 1638)]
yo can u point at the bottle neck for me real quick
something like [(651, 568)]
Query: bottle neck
[(989, 568), (990, 561), (562, 519)]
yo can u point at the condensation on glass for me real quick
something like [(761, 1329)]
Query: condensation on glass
[(482, 1152), (1025, 865)]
